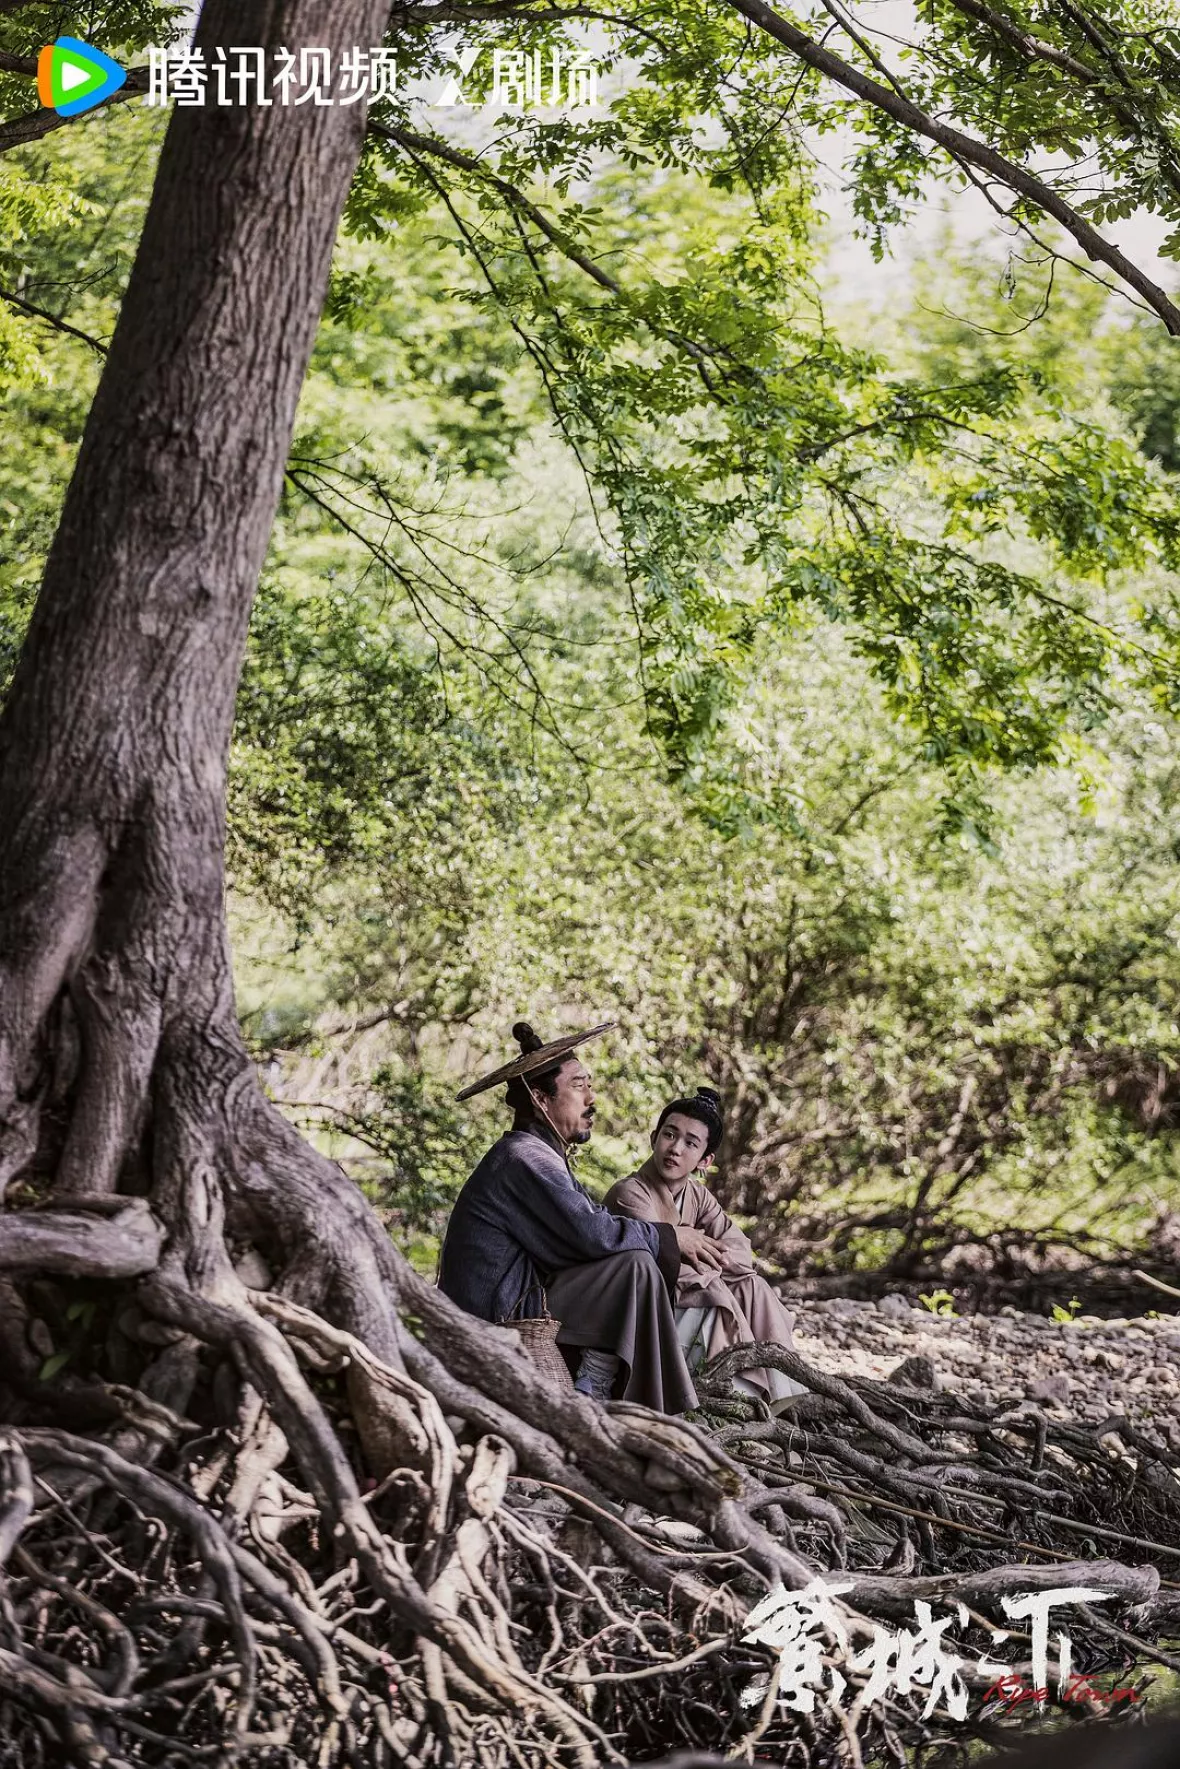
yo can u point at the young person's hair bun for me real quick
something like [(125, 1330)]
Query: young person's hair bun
[(705, 1107), (526, 1037)]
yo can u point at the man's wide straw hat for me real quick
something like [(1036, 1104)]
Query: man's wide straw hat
[(531, 1060)]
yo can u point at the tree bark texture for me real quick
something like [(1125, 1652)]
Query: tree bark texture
[(120, 1059)]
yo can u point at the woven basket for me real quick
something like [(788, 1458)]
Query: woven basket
[(538, 1335)]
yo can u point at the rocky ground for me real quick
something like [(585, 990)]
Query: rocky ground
[(1088, 1367)]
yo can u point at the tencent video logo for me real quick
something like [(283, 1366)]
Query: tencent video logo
[(73, 77)]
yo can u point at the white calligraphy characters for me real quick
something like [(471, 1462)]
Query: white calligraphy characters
[(811, 1636), (560, 78)]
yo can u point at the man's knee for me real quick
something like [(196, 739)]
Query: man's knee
[(641, 1263)]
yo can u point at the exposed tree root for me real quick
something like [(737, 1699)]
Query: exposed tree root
[(534, 1581)]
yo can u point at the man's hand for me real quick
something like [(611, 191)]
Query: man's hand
[(699, 1250)]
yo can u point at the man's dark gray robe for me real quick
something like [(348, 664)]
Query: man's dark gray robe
[(522, 1223)]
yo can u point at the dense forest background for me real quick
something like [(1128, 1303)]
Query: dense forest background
[(910, 903)]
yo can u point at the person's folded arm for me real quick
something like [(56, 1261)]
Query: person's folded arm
[(735, 1249)]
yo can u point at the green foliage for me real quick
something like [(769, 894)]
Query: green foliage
[(424, 1143), (1122, 110), (787, 483), (70, 215), (342, 736), (939, 1302), (1145, 384)]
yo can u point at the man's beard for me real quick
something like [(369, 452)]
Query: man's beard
[(581, 1136)]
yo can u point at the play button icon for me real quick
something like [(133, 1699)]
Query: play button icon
[(73, 76)]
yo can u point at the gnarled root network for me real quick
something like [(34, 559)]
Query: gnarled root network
[(528, 1579)]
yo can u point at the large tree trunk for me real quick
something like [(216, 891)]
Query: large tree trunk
[(116, 1004)]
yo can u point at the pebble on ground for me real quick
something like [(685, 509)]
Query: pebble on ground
[(1089, 1367)]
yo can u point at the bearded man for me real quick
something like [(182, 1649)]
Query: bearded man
[(721, 1300), (524, 1232)]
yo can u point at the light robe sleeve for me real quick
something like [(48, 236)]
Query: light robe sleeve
[(712, 1221), (630, 1198)]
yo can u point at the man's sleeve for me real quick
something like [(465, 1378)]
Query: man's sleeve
[(667, 1254), (558, 1225)]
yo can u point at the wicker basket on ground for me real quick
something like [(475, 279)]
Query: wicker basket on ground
[(538, 1334)]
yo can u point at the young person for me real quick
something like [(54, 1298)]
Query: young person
[(523, 1231), (720, 1298)]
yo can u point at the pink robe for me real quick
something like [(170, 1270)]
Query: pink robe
[(747, 1307)]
